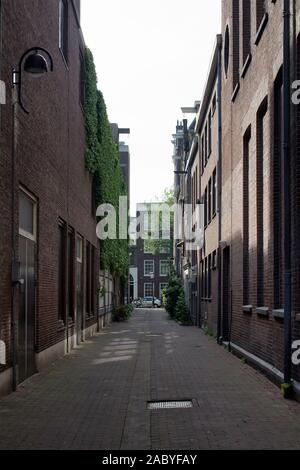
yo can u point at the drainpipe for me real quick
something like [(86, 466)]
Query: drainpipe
[(14, 265), (287, 196), (219, 41)]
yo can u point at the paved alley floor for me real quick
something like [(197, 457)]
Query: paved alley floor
[(96, 398)]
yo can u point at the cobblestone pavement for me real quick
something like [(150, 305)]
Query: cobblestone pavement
[(96, 398)]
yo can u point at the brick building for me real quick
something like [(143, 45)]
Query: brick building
[(236, 167), (46, 194), (149, 263), (253, 214)]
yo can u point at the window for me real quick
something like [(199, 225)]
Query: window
[(164, 267), (214, 260), (88, 280), (235, 42), (279, 190), (246, 29), (226, 50), (205, 209), (246, 190), (70, 278), (63, 28), (214, 193), (148, 290), (214, 104), (27, 215), (82, 80), (260, 12), (61, 273), (202, 155), (209, 269), (165, 247), (148, 247), (209, 216), (209, 135), (162, 287), (148, 267), (79, 250), (260, 170), (206, 145), (79, 277)]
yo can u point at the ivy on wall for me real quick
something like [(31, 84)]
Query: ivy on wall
[(102, 160)]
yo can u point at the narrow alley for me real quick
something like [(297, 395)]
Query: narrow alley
[(97, 397)]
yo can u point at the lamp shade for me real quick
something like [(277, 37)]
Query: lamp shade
[(36, 64)]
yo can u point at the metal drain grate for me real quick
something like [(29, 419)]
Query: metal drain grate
[(170, 405)]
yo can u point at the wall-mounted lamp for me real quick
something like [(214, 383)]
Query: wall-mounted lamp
[(34, 63)]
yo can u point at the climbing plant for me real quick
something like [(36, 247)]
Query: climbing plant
[(103, 162)]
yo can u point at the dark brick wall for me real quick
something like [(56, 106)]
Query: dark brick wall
[(50, 148)]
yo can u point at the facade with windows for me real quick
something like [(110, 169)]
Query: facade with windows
[(149, 262), (50, 258), (253, 230), (236, 167)]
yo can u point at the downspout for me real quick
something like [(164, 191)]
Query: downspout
[(219, 331), (15, 264), (287, 196)]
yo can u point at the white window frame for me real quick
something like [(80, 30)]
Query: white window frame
[(165, 263), (152, 289), (152, 269), (22, 232)]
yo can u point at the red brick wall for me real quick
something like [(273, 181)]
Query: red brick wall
[(49, 154), (259, 335)]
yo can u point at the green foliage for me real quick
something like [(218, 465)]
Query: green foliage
[(103, 162), (122, 313), (181, 310), (172, 293)]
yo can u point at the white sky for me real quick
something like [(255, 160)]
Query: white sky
[(152, 58)]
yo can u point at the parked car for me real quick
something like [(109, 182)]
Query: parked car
[(137, 303), (150, 302)]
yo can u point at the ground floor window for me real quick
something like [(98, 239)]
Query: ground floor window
[(162, 287), (148, 289)]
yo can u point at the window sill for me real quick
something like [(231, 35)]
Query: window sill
[(278, 314), (246, 65), (262, 311), (235, 92), (261, 28), (248, 309)]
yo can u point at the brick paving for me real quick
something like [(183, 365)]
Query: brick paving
[(96, 398)]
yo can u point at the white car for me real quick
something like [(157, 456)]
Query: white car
[(150, 302)]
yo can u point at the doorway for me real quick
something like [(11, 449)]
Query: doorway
[(27, 295), (79, 289), (226, 307)]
